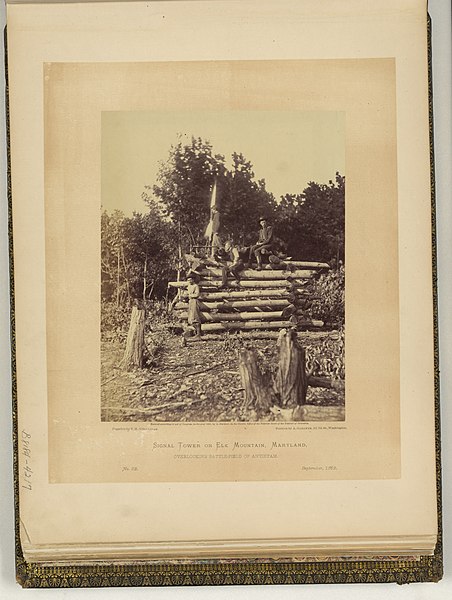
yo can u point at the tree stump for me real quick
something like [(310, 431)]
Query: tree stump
[(291, 381), (134, 352), (258, 392)]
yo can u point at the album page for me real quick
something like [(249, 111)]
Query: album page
[(132, 125)]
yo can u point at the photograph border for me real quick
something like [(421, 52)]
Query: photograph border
[(374, 416)]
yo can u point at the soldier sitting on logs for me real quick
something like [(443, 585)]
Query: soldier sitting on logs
[(236, 258), (264, 242), (197, 263), (228, 257)]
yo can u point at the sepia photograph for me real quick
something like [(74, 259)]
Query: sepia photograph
[(223, 266)]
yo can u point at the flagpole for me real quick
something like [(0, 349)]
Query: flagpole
[(210, 233), (213, 200)]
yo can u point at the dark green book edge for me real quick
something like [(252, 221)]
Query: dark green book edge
[(35, 575)]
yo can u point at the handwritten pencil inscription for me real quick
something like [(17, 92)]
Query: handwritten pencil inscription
[(27, 471)]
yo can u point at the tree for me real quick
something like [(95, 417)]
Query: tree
[(244, 201), (113, 285), (137, 255), (313, 223), (184, 184)]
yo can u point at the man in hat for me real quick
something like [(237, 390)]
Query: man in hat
[(194, 313), (236, 263), (264, 242)]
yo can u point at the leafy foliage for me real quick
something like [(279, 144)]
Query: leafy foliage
[(330, 288), (184, 184), (243, 201), (313, 222), (138, 256), (114, 321), (326, 359)]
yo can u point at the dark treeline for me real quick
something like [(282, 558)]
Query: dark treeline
[(140, 253)]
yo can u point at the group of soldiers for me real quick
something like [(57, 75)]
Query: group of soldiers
[(232, 259)]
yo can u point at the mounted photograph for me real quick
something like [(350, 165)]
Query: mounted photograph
[(222, 266), (222, 288)]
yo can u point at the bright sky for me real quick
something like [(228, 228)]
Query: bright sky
[(286, 148)]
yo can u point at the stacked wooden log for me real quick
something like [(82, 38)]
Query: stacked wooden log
[(262, 300)]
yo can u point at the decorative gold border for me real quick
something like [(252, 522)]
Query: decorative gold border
[(428, 568)]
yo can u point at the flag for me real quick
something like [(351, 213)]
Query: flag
[(213, 201)]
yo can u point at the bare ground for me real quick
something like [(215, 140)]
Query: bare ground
[(199, 382)]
